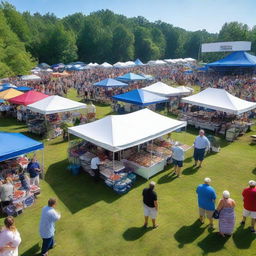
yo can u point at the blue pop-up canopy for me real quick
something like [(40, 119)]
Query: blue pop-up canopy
[(238, 59), (6, 86), (16, 144), (130, 77), (140, 97), (138, 62), (109, 82), (23, 88)]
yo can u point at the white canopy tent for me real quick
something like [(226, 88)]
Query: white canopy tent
[(185, 90), (221, 100), (55, 104), (118, 132), (106, 65), (162, 89), (30, 77)]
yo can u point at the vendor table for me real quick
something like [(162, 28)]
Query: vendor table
[(145, 172)]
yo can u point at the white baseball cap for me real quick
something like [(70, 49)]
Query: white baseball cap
[(152, 183), (226, 194), (252, 183), (207, 180)]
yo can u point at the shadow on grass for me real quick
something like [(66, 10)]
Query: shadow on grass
[(188, 160), (254, 171), (77, 192), (134, 233), (213, 243), (243, 238), (169, 177), (190, 170), (188, 234), (33, 251)]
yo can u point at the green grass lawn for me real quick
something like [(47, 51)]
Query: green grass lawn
[(96, 221)]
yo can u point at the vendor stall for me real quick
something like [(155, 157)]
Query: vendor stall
[(124, 133), (13, 150), (50, 113), (219, 111)]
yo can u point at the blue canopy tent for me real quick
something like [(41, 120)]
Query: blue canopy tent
[(23, 88), (235, 61), (109, 82), (16, 144), (1, 101), (6, 86), (188, 72), (140, 97), (138, 62), (129, 77)]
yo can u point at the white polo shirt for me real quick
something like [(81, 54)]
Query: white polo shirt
[(95, 162)]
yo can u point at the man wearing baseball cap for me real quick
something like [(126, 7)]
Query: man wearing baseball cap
[(249, 197), (150, 204), (206, 201)]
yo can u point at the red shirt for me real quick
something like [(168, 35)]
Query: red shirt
[(249, 195)]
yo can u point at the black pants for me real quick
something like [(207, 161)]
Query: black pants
[(96, 174)]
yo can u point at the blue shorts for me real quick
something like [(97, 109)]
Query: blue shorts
[(48, 244), (199, 154), (178, 163)]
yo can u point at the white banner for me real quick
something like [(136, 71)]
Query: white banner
[(226, 46)]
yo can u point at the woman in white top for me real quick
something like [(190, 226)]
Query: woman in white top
[(9, 238)]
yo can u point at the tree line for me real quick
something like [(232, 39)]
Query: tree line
[(26, 39)]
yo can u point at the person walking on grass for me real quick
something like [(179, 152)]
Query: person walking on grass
[(249, 197), (226, 214), (206, 201), (47, 225), (150, 204), (201, 144), (178, 158)]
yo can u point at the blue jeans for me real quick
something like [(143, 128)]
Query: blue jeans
[(48, 244)]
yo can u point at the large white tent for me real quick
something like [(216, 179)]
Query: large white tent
[(30, 77), (118, 132), (55, 104), (162, 89), (221, 100), (185, 90), (106, 65)]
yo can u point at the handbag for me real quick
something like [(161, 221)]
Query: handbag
[(216, 214)]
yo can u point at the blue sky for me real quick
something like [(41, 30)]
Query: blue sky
[(189, 14)]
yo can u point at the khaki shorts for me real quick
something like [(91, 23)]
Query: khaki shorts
[(150, 212), (251, 214), (203, 213)]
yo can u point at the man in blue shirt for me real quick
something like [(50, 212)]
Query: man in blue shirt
[(34, 170), (206, 201), (201, 144), (47, 225)]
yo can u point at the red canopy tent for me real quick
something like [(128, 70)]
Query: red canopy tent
[(28, 98)]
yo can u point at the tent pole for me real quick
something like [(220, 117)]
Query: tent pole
[(43, 163), (113, 161)]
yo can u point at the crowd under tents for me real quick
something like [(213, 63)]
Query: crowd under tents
[(30, 78), (140, 97), (9, 93), (162, 89), (239, 60), (129, 77), (28, 98), (110, 83), (220, 100), (55, 104), (16, 144)]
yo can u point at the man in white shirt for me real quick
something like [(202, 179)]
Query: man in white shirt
[(95, 162), (47, 225), (178, 158), (201, 144)]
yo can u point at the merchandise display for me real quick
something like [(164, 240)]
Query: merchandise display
[(21, 198), (114, 172)]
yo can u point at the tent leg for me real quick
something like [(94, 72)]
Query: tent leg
[(113, 160), (42, 164)]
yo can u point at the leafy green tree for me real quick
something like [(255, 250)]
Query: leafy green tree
[(123, 44), (234, 31)]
